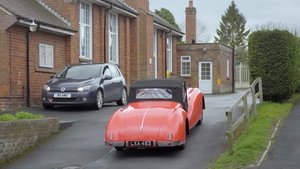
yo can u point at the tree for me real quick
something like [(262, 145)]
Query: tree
[(167, 15), (232, 30), (202, 35)]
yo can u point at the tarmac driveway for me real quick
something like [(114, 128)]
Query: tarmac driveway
[(82, 145)]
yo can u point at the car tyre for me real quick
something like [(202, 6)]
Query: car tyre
[(123, 100), (48, 107), (119, 148), (99, 100), (200, 121)]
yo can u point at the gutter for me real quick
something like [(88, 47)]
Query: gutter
[(24, 22), (111, 6)]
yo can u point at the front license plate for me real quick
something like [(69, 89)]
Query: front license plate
[(140, 144), (62, 95)]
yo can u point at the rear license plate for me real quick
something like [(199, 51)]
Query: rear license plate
[(141, 144), (62, 95)]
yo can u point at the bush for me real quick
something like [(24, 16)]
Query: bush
[(298, 64), (7, 117), (19, 116), (27, 115), (272, 56)]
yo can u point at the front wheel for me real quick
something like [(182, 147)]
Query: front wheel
[(99, 100), (123, 100), (48, 107), (200, 121)]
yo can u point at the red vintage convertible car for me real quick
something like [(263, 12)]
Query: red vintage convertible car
[(159, 113)]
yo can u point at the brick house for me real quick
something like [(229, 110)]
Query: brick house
[(124, 32), (206, 65)]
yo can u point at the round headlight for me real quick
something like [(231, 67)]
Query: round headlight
[(80, 89), (46, 88)]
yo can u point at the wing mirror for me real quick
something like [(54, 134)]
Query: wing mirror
[(107, 77), (51, 77)]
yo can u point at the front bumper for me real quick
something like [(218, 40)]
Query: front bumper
[(126, 144), (76, 98)]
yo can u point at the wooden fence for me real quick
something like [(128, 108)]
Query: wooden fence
[(254, 92)]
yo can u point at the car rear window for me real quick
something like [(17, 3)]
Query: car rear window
[(154, 93)]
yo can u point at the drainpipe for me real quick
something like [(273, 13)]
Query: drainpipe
[(233, 70), (166, 53), (27, 70), (105, 31)]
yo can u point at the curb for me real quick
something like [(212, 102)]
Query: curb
[(65, 124)]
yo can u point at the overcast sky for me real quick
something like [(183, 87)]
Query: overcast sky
[(257, 12)]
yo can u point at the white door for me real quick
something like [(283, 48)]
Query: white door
[(205, 77)]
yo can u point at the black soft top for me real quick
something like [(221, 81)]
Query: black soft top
[(176, 85), (159, 83)]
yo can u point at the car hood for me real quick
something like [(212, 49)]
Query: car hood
[(144, 120), (66, 82)]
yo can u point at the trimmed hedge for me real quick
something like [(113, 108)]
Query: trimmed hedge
[(298, 64), (272, 56)]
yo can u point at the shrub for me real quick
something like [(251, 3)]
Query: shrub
[(7, 117), (272, 56), (27, 115), (298, 64), (19, 116)]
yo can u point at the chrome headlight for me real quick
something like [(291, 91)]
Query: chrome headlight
[(84, 88), (46, 88)]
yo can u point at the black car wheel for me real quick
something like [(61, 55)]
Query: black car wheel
[(123, 100), (119, 148), (99, 100), (47, 107), (200, 121)]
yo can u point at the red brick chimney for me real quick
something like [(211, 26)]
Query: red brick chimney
[(139, 4), (190, 23)]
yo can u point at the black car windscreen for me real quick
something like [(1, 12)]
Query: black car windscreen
[(81, 72)]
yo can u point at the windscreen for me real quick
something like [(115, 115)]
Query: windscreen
[(81, 72)]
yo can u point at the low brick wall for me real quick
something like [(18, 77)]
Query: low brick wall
[(18, 136)]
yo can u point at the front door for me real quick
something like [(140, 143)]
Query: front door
[(205, 77)]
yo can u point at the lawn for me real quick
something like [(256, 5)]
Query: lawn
[(251, 144)]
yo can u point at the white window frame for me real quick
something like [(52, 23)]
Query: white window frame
[(113, 59), (155, 55), (82, 26), (47, 60), (185, 61), (169, 53)]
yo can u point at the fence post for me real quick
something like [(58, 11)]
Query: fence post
[(261, 99), (245, 110), (253, 99), (230, 132)]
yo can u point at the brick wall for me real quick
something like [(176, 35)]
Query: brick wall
[(15, 95), (215, 53), (17, 136)]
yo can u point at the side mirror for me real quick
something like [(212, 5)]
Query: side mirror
[(107, 77), (51, 77)]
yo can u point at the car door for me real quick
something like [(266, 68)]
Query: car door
[(117, 83), (108, 85)]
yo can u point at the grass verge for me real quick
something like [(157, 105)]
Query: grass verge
[(251, 144)]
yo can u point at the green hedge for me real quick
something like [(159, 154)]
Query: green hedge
[(298, 64), (19, 116), (272, 56)]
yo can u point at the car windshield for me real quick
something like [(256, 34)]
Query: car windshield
[(153, 93), (81, 72)]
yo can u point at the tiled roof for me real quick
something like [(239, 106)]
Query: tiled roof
[(157, 19), (32, 9)]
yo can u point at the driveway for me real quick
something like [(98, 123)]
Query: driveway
[(82, 146)]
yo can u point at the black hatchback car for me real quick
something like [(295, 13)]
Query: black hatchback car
[(85, 84)]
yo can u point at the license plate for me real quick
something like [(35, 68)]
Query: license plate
[(140, 144), (62, 95)]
